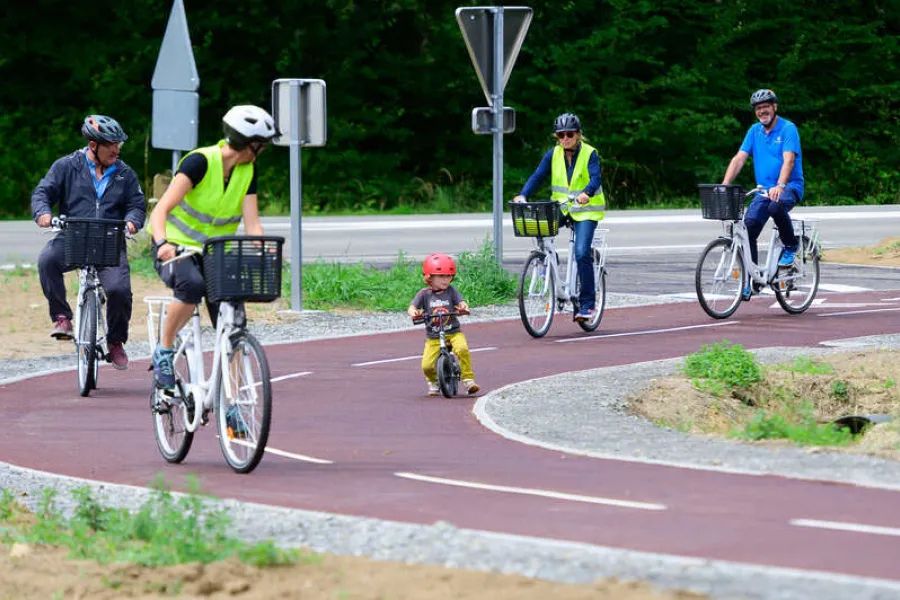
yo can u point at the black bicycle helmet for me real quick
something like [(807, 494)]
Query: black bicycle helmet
[(566, 122), (760, 96), (102, 129), (247, 123)]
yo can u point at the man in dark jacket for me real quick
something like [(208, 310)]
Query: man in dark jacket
[(90, 183)]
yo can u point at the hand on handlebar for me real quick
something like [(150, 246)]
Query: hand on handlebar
[(45, 220), (520, 198)]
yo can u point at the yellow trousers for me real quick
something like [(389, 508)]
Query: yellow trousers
[(458, 344)]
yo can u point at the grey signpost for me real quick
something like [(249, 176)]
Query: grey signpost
[(494, 36), (175, 83), (298, 106)]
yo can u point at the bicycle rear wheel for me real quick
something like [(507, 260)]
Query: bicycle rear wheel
[(537, 295), (448, 377), (244, 420), (796, 291), (171, 410), (86, 346), (600, 293), (719, 283)]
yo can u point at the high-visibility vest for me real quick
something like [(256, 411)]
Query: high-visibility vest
[(210, 209), (561, 187)]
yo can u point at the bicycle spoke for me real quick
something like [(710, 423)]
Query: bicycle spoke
[(537, 303), (719, 279)]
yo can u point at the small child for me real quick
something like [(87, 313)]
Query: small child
[(438, 271)]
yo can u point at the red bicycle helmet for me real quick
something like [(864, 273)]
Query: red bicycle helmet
[(438, 264)]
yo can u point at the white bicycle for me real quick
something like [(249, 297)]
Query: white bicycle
[(238, 392), (725, 267), (542, 289)]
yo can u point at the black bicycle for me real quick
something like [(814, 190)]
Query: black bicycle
[(447, 363)]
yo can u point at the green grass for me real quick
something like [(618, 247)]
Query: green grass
[(163, 531), (722, 366), (807, 366), (799, 426)]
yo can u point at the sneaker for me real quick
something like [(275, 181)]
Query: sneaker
[(163, 370), (787, 257), (62, 330), (584, 315), (433, 389), (117, 356), (471, 386), (747, 293), (237, 428)]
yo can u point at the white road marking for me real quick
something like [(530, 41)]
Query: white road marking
[(533, 492), (415, 357), (277, 452), (291, 376), (840, 526), (858, 312), (645, 332)]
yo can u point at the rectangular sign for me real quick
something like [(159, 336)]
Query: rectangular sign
[(175, 120), (299, 110), (483, 120)]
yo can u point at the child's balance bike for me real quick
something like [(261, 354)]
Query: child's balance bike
[(447, 363)]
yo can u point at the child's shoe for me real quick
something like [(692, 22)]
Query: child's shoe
[(433, 389), (471, 386)]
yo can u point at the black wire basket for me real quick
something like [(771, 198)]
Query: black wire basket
[(535, 219), (722, 202), (97, 242), (242, 268)]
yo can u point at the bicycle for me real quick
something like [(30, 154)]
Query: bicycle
[(238, 392), (541, 289), (90, 244), (447, 363), (725, 267)]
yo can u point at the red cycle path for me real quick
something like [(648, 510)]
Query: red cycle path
[(373, 421)]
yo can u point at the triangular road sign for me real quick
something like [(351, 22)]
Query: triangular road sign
[(175, 67), (477, 26)]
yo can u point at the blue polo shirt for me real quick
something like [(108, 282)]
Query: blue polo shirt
[(767, 151), (99, 184)]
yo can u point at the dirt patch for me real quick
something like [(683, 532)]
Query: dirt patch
[(852, 383), (32, 571), (885, 253)]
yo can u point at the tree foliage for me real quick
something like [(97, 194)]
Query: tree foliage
[(661, 86)]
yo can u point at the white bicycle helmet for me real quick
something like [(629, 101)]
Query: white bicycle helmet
[(247, 123)]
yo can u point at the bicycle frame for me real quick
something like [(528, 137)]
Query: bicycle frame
[(565, 287), (89, 283)]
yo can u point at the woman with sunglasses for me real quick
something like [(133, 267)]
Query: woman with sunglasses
[(574, 168)]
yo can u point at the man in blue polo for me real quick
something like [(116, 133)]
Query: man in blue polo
[(774, 144)]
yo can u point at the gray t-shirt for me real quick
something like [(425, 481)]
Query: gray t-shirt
[(430, 301)]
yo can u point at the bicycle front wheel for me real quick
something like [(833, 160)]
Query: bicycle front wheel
[(86, 346), (537, 295), (448, 379), (599, 295), (244, 419), (796, 290), (719, 279)]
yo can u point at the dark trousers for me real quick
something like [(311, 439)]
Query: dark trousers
[(761, 209), (116, 282)]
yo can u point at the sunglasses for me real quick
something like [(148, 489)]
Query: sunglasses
[(566, 134)]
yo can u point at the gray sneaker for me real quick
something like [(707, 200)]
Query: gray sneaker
[(163, 370)]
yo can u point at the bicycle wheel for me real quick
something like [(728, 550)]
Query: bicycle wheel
[(537, 295), (244, 420), (599, 296), (796, 292), (171, 410), (86, 346), (719, 284), (448, 380)]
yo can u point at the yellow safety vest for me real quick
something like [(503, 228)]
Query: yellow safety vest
[(561, 187), (209, 209)]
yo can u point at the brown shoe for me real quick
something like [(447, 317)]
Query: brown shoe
[(117, 356), (63, 328)]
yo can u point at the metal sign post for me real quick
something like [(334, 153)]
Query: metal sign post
[(494, 36), (175, 82), (298, 107)]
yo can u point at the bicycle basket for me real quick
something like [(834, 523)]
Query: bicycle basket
[(242, 268), (97, 242), (722, 202), (535, 219)]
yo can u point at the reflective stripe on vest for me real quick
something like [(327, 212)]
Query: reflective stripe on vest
[(210, 209), (561, 187)]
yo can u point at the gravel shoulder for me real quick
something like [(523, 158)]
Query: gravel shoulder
[(579, 412)]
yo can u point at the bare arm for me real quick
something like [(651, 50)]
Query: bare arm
[(734, 167), (172, 197), (250, 213)]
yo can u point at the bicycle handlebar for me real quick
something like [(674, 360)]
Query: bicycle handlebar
[(433, 315)]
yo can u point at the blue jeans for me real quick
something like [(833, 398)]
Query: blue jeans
[(584, 236), (761, 209)]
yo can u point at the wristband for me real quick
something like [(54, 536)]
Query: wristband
[(781, 185), (161, 243)]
